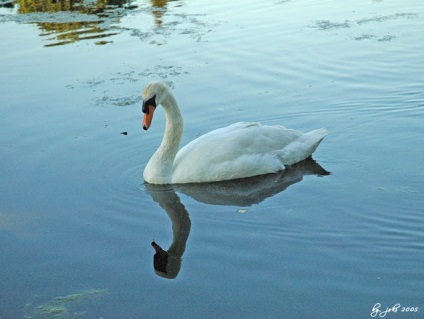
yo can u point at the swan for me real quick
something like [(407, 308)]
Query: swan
[(236, 151)]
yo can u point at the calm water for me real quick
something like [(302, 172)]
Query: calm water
[(77, 220)]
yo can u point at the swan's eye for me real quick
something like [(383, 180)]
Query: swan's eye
[(149, 102)]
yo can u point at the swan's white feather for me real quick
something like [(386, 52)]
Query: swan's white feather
[(242, 150)]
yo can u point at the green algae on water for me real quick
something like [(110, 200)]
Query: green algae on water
[(61, 306)]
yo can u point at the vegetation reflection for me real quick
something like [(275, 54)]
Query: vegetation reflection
[(78, 28), (159, 8), (32, 6), (83, 19)]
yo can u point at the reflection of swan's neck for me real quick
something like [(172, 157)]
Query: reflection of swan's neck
[(168, 263), (163, 158), (181, 225)]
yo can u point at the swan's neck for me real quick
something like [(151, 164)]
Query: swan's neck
[(163, 158)]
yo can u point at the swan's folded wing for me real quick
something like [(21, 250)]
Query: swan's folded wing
[(238, 150)]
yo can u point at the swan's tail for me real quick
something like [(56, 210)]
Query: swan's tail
[(303, 147)]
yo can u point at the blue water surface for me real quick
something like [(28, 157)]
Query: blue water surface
[(77, 219)]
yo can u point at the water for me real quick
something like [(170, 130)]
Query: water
[(77, 221)]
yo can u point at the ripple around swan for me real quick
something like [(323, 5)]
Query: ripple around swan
[(120, 171)]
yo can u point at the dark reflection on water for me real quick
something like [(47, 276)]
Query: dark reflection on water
[(7, 4), (239, 192), (251, 190)]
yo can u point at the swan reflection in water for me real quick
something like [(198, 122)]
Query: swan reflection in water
[(242, 192), (167, 264)]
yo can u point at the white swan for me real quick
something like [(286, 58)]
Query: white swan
[(236, 151)]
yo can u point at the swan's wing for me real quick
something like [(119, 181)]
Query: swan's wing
[(235, 151), (238, 139)]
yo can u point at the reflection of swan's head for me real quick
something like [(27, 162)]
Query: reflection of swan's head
[(166, 265)]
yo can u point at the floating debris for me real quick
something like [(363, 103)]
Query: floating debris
[(59, 306)]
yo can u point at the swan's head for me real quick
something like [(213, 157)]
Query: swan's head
[(153, 94)]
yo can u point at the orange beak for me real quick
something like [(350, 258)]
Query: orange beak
[(147, 120)]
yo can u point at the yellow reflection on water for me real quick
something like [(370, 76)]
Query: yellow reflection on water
[(70, 21), (69, 32), (158, 10), (32, 6), (65, 31)]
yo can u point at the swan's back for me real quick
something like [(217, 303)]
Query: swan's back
[(243, 150)]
